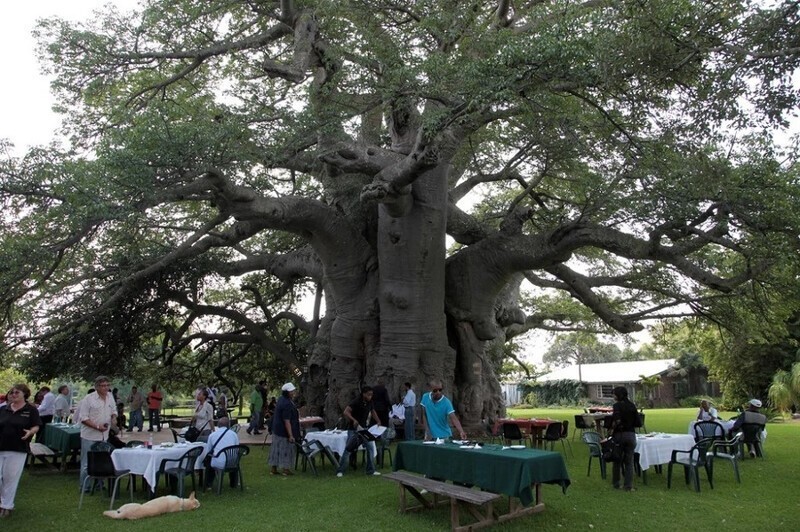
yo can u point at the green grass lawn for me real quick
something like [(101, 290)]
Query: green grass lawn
[(766, 499)]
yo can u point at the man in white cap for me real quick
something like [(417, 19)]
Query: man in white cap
[(751, 415)]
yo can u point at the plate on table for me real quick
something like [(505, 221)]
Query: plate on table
[(516, 446)]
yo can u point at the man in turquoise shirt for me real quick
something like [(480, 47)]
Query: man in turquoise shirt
[(438, 413)]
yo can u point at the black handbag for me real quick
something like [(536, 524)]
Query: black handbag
[(192, 433), (612, 451)]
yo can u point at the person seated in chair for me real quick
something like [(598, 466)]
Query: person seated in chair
[(751, 415), (221, 438), (707, 412)]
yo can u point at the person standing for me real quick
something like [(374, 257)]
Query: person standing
[(262, 389), (154, 399), (381, 401), (135, 402), (256, 411), (46, 411), (409, 402), (624, 419), (357, 414), (62, 405), (222, 403), (19, 421), (285, 431), (47, 407), (203, 419), (438, 413), (95, 413)]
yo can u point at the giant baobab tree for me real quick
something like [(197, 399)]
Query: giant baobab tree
[(613, 158)]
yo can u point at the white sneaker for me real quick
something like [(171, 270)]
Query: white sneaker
[(340, 475), (376, 474)]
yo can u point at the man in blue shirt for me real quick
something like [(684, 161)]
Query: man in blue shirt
[(438, 413)]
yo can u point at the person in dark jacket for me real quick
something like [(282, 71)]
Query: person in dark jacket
[(624, 419), (381, 402)]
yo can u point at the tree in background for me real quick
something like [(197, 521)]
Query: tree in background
[(581, 348), (784, 392), (649, 386), (226, 160)]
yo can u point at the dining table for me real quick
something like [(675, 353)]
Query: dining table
[(600, 409), (145, 462), (334, 439), (516, 471), (533, 427), (597, 419), (655, 449), (64, 439)]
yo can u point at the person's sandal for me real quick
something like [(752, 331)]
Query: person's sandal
[(287, 473)]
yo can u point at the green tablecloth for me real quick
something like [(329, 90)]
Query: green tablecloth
[(510, 471), (62, 439)]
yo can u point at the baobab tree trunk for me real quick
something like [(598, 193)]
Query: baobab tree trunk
[(411, 253)]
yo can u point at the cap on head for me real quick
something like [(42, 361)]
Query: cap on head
[(288, 387), (755, 402)]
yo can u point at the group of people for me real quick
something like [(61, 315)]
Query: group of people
[(260, 409), (625, 420), (136, 402), (366, 409)]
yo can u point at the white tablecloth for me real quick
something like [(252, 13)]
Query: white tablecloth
[(658, 449), (335, 440), (145, 462)]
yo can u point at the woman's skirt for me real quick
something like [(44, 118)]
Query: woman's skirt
[(281, 452)]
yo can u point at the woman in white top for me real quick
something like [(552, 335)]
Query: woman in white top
[(203, 418)]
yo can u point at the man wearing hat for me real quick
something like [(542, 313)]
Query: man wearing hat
[(285, 432), (751, 415)]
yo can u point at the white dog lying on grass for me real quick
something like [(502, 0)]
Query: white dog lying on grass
[(161, 505)]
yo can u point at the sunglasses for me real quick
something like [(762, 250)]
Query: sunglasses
[(436, 390)]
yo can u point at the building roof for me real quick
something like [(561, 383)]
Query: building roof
[(611, 372)]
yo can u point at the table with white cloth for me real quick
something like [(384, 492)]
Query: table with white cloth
[(336, 440), (145, 462), (657, 449)]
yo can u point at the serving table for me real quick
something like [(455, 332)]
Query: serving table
[(518, 473)]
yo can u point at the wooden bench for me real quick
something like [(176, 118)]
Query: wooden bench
[(43, 453), (472, 500)]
